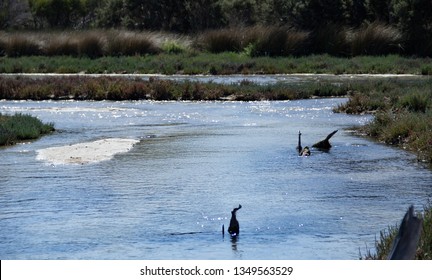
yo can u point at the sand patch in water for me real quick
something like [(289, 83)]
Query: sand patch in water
[(85, 153)]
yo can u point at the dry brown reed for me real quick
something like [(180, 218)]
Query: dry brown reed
[(375, 39)]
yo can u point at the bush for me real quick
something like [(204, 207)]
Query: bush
[(91, 45), (21, 45), (330, 39), (416, 102), (62, 44), (173, 47), (376, 39), (130, 43), (279, 41), (217, 41), (21, 127)]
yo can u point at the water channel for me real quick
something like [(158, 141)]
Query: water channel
[(168, 197)]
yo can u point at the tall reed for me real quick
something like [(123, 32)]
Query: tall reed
[(376, 39)]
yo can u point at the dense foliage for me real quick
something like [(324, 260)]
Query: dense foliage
[(20, 127), (412, 18)]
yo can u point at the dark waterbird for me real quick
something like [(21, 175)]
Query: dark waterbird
[(324, 144), (406, 241), (302, 151), (234, 227)]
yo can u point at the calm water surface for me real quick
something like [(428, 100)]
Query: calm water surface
[(170, 195)]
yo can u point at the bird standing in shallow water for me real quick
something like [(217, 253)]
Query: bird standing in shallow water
[(234, 227), (302, 151)]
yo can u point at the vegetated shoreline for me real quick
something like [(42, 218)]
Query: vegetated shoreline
[(227, 63), (21, 127)]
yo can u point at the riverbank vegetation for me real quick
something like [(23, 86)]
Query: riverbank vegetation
[(121, 88), (21, 127), (217, 64), (403, 115)]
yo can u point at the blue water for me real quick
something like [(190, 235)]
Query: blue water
[(169, 196)]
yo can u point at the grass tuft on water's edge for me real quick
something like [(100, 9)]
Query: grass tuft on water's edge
[(21, 127)]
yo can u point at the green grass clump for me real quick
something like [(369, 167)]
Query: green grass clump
[(20, 127), (189, 62), (403, 114)]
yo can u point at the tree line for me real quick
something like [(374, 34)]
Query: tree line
[(413, 18)]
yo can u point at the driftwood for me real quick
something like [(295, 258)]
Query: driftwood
[(405, 243)]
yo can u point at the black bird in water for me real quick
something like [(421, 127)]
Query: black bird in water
[(324, 144), (302, 151), (234, 227)]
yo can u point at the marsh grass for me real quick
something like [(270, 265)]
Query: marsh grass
[(372, 39), (19, 127), (403, 114), (207, 63), (376, 39), (90, 43), (20, 45), (126, 43), (110, 88), (329, 39)]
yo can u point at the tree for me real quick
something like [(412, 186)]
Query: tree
[(380, 10), (313, 14), (55, 13), (414, 18), (14, 14)]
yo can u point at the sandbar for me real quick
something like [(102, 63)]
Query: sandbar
[(87, 152)]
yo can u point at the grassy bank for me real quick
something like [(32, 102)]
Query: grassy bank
[(403, 115), (222, 63), (115, 88), (19, 127)]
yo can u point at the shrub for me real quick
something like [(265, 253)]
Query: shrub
[(330, 39), (21, 127), (91, 45), (416, 102), (217, 41), (21, 45), (130, 43), (62, 44), (173, 47), (272, 42), (376, 39)]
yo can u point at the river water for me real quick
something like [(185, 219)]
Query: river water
[(168, 197)]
